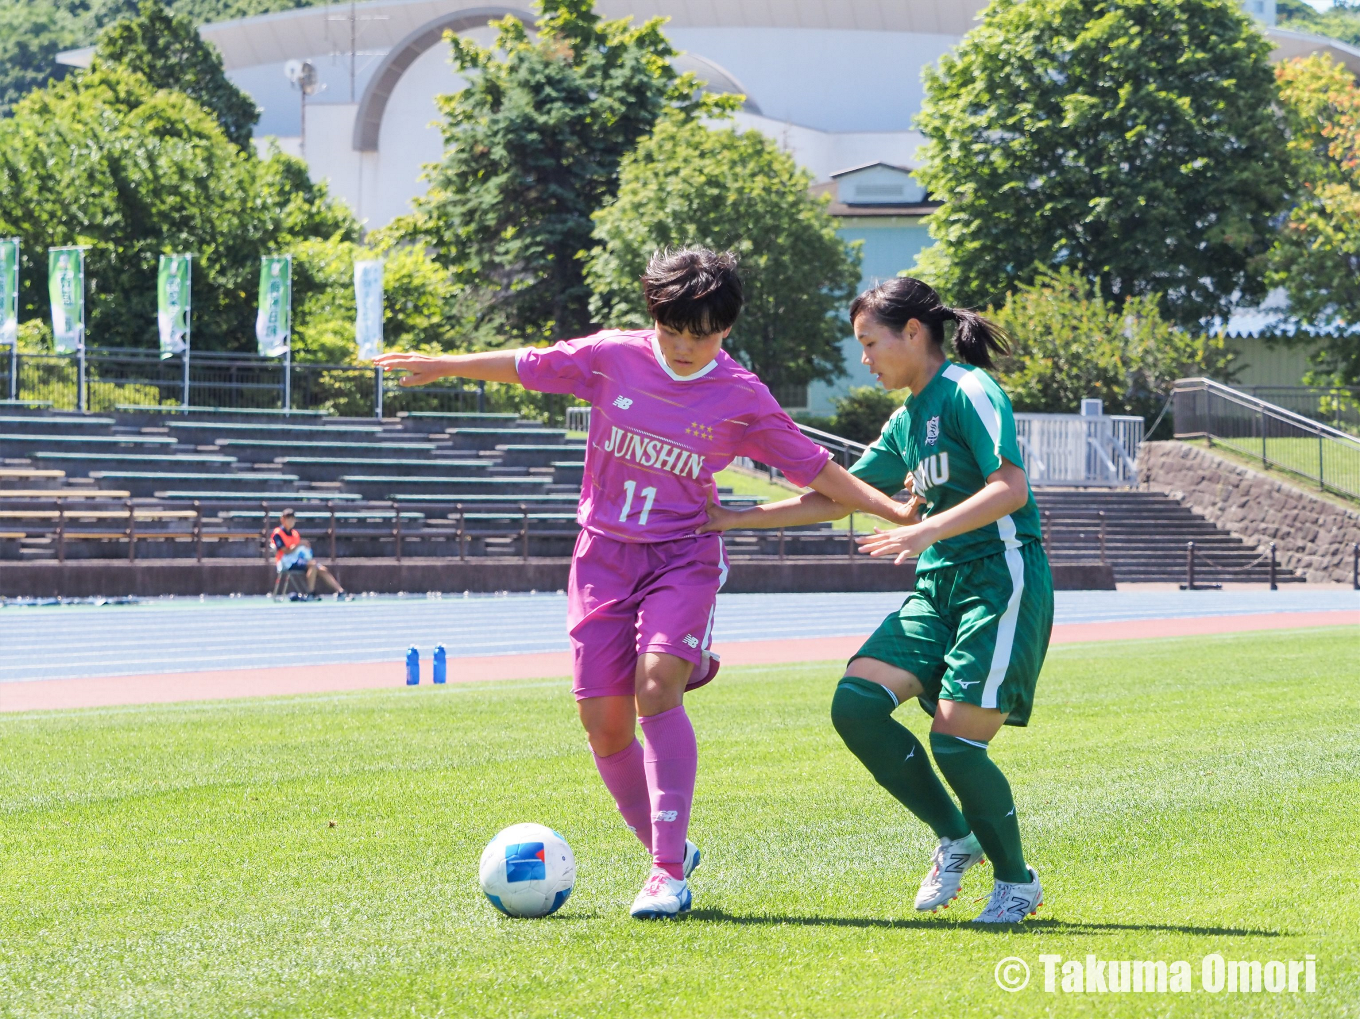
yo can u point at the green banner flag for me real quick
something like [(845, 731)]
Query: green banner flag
[(274, 320), (66, 288), (368, 307), (172, 304), (9, 291)]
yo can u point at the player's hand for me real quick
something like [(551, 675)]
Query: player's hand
[(909, 512), (423, 369), (902, 542), (720, 519)]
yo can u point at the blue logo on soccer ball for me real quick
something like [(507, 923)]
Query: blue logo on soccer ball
[(524, 862)]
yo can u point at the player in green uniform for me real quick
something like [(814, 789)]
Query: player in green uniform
[(970, 640)]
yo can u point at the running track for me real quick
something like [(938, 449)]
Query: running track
[(191, 649)]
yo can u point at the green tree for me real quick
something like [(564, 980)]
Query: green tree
[(533, 148), (729, 190), (1136, 140), (421, 302), (155, 175), (32, 33), (166, 50), (1070, 342), (1340, 21), (1316, 257)]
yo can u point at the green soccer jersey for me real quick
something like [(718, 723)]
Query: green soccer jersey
[(950, 437)]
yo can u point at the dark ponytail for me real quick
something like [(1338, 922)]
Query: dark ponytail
[(897, 301)]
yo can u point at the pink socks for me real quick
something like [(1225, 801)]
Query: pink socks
[(670, 762), (627, 782)]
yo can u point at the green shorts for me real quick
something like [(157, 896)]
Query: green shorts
[(975, 633)]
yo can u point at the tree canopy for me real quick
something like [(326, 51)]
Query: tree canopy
[(1137, 142), (689, 185), (156, 175), (1070, 342), (166, 50), (1316, 258), (533, 147)]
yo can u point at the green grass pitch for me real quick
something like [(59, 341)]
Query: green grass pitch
[(1179, 797)]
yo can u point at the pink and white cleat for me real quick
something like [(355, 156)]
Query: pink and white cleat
[(662, 897), (950, 861)]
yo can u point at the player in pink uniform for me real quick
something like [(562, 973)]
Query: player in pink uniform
[(669, 409)]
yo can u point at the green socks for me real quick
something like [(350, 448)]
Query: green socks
[(862, 713), (987, 803)]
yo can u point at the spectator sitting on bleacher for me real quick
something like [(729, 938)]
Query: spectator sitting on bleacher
[(293, 552)]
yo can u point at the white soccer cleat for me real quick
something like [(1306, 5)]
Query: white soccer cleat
[(1012, 903), (662, 897), (692, 858), (948, 864)]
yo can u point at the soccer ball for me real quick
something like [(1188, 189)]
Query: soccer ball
[(528, 870)]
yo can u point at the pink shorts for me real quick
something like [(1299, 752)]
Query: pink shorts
[(626, 598)]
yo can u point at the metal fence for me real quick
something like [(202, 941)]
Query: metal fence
[(1085, 450), (116, 379), (1337, 406), (1280, 438)]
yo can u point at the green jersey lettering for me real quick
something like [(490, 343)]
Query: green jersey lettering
[(950, 438)]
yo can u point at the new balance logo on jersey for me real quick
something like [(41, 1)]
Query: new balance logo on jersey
[(622, 402), (665, 815), (653, 453), (691, 640), (932, 471), (933, 430)]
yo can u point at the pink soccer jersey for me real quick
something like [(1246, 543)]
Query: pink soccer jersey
[(657, 438)]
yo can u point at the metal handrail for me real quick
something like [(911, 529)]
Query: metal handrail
[(1260, 406)]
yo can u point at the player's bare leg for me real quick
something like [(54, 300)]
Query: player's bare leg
[(862, 711)]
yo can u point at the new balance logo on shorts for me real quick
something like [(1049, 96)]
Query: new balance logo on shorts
[(665, 815), (691, 640), (622, 402)]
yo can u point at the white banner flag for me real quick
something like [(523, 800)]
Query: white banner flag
[(172, 304), (274, 320), (368, 309)]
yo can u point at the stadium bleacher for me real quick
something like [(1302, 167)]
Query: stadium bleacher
[(143, 483)]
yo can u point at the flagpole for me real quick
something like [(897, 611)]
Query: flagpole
[(82, 398), (14, 347), (288, 351), (188, 328)]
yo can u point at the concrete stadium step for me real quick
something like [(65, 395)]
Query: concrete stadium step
[(88, 463), (433, 420), (1146, 536), (569, 472), (268, 450), (535, 455), (55, 424), (206, 495), (383, 487), (329, 468), (490, 438), (145, 483), (203, 432), (26, 477), (23, 444)]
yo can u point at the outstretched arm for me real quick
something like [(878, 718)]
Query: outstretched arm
[(836, 492), (1006, 491), (488, 366)]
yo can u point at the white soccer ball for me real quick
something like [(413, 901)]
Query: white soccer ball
[(528, 870)]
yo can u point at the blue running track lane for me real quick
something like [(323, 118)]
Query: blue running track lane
[(189, 635)]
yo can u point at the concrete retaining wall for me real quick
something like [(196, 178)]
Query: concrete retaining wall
[(111, 578), (1312, 536)]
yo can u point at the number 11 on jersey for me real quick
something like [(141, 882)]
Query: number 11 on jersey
[(648, 495)]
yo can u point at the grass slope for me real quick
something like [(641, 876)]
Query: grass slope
[(1179, 798)]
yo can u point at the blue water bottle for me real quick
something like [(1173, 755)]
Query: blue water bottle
[(412, 666), (441, 674)]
